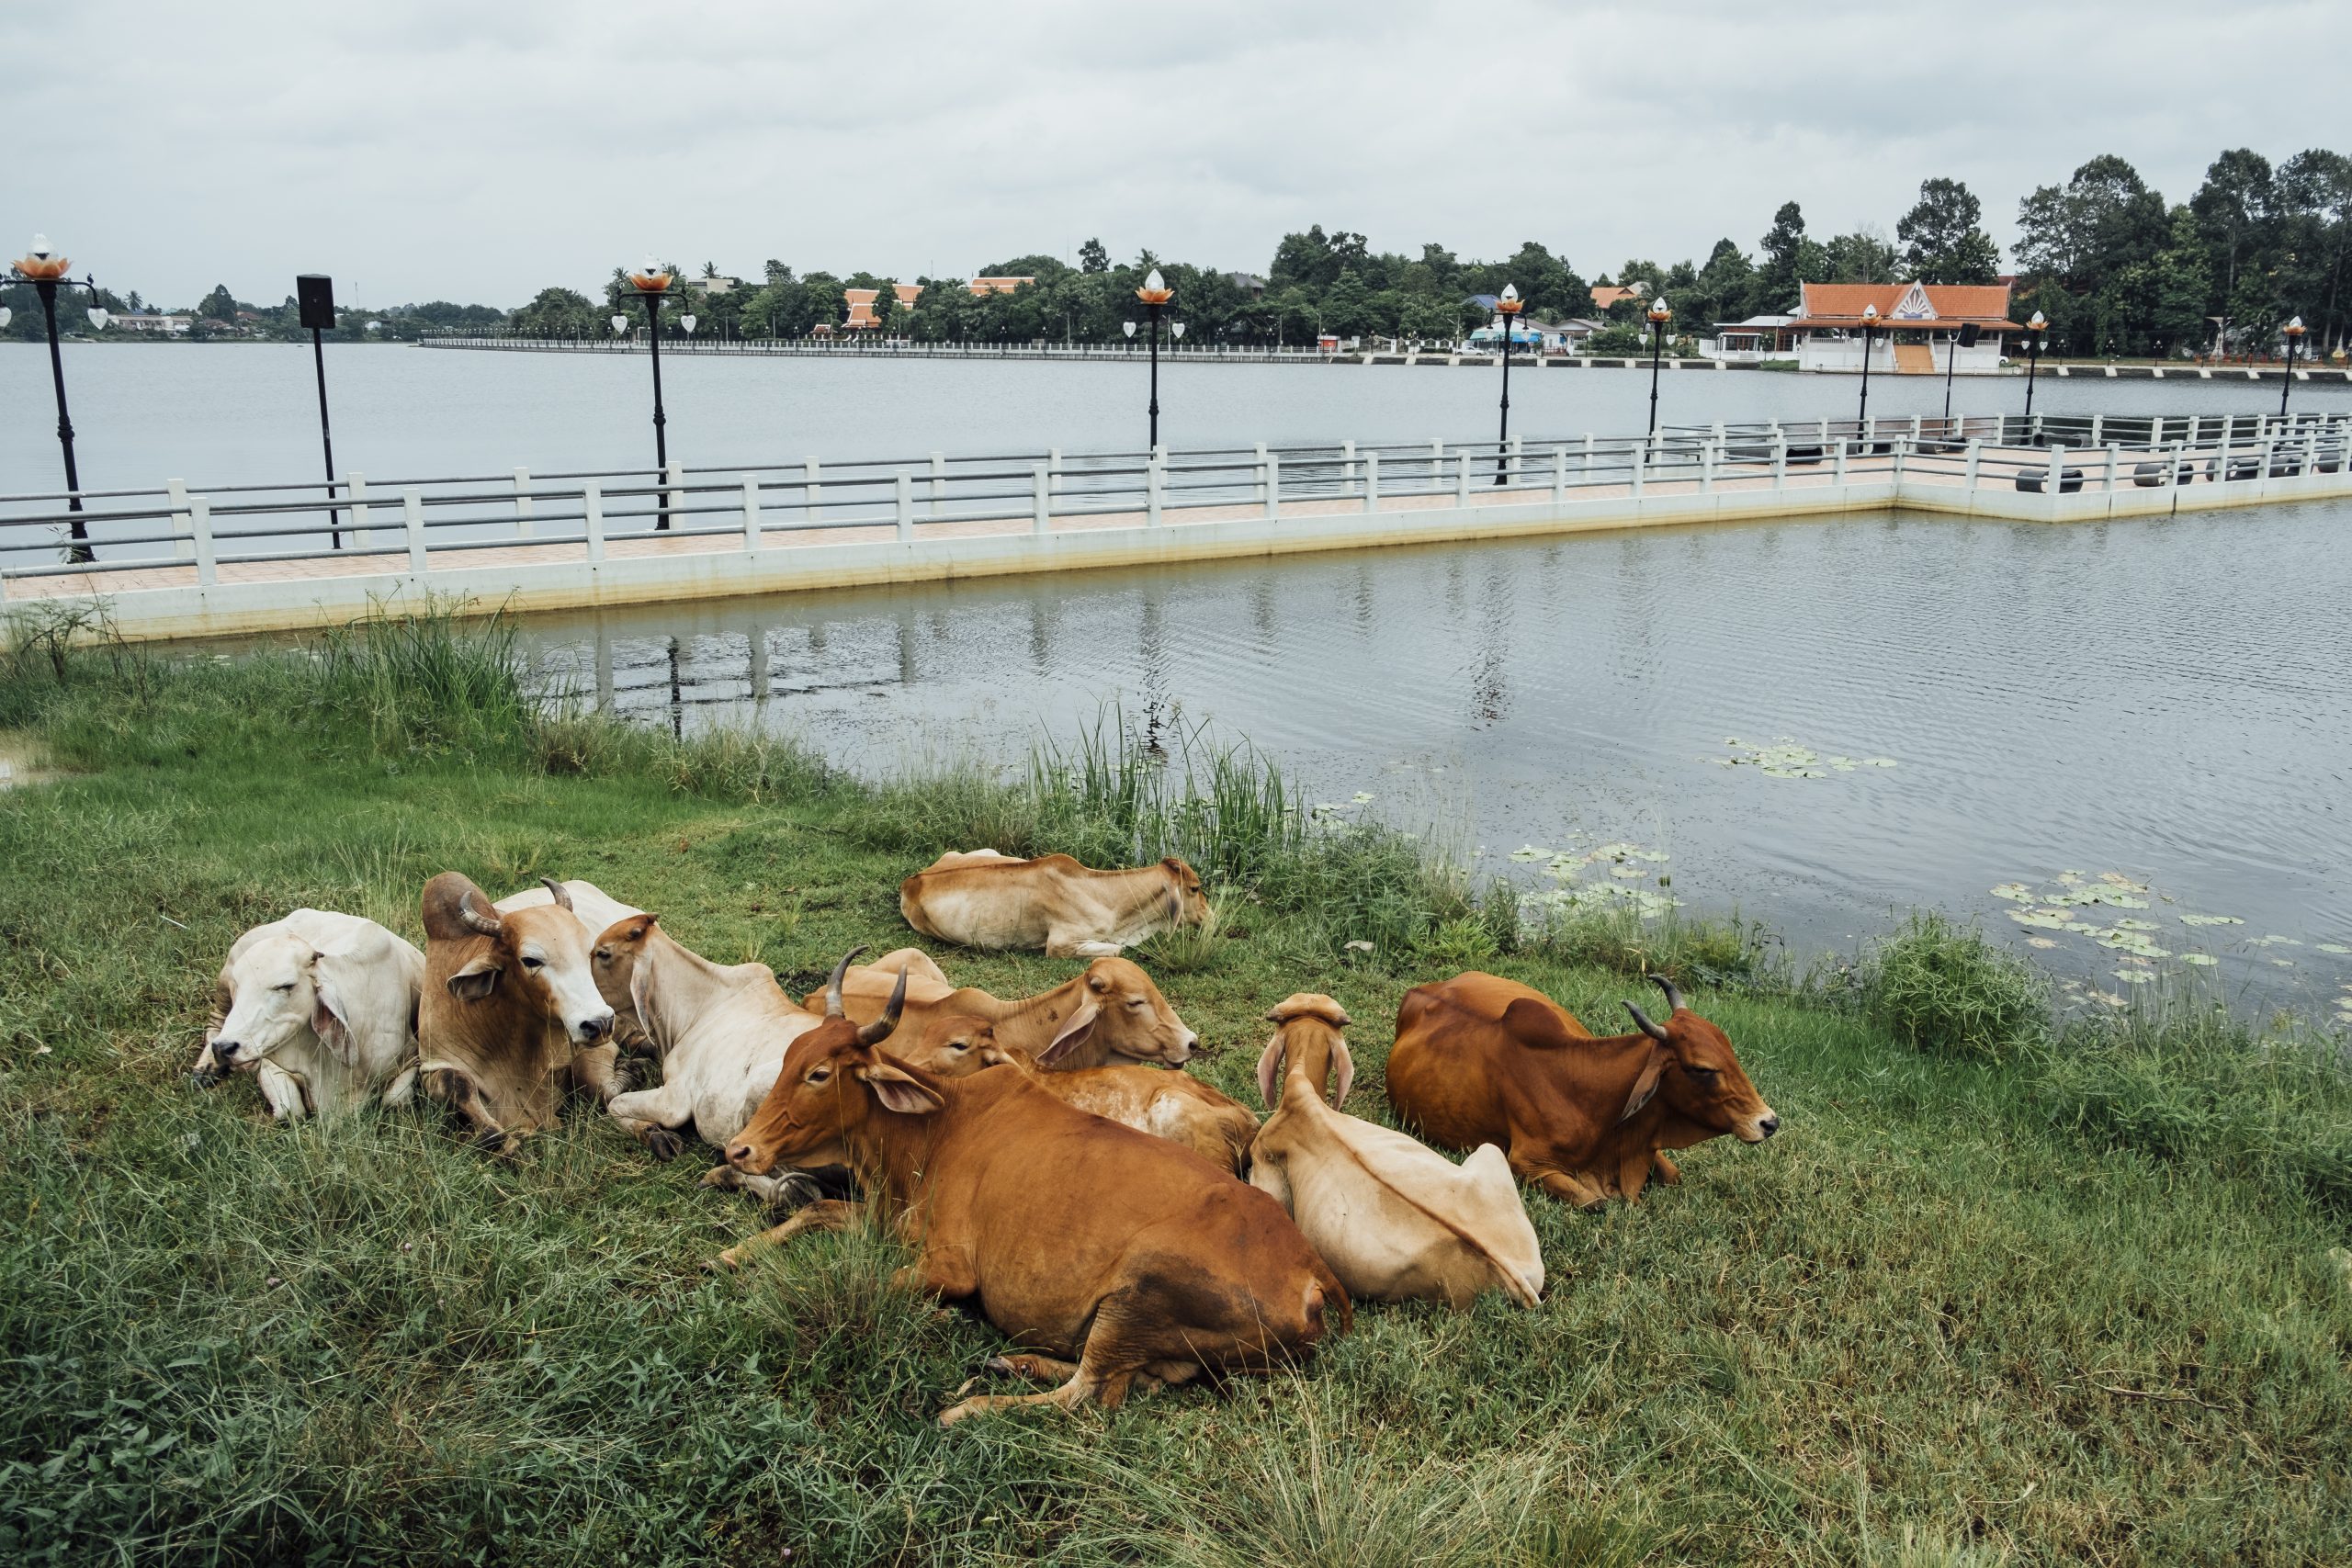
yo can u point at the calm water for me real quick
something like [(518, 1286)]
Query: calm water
[(2161, 700), (226, 413)]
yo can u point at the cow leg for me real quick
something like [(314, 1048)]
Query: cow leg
[(282, 1089), (1084, 1385), (207, 1071), (598, 1069), (918, 965), (1570, 1190), (649, 1114), (401, 1090), (456, 1090), (1664, 1168), (1632, 1173), (1064, 944), (825, 1215)]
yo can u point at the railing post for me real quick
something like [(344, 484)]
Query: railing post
[(1588, 457), (183, 545), (2114, 462), (751, 514), (1559, 475), (1915, 430), (1462, 479), (355, 485), (939, 484), (674, 482), (1041, 498), (1437, 464), (2054, 477), (1975, 458), (2311, 454), (1259, 456), (904, 491), (1779, 457), (1641, 458), (200, 519), (1515, 464), (412, 518), (2156, 431), (2175, 456), (1272, 468), (1151, 489), (2192, 431), (1707, 467), (2097, 422), (592, 507), (810, 490), (1901, 453), (1346, 466), (522, 504), (1837, 472), (1371, 481)]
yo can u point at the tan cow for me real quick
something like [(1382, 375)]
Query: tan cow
[(984, 899), (1113, 1012), (1115, 1259), (1480, 1059), (1171, 1105), (320, 1008), (509, 1019), (1395, 1219)]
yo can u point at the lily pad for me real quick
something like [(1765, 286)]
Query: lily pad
[(2134, 977), (2336, 948), (1529, 852), (2202, 960), (2016, 892), (2211, 921)]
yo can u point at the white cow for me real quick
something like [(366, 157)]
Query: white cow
[(1394, 1219), (320, 1008)]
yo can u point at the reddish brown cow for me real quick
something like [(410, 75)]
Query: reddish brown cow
[(1479, 1059), (1113, 1258), (508, 1018)]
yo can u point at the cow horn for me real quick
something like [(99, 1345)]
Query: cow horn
[(488, 924), (879, 1030), (1674, 1002), (557, 891), (833, 986), (1643, 1021)]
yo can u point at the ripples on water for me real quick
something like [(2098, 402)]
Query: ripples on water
[(2164, 700)]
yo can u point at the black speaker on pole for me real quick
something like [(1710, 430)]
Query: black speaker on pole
[(315, 293), (1969, 332)]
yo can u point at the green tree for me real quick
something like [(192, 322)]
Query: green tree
[(1944, 236), (2181, 284), (1864, 256), (886, 306), (2233, 208), (1778, 269), (218, 306), (2314, 192), (557, 312), (1092, 256)]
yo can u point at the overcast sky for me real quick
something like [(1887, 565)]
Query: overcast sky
[(479, 150)]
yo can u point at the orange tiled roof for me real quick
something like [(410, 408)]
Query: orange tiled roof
[(1841, 304), (997, 284), (1607, 294)]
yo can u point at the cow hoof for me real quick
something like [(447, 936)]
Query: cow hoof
[(1024, 1367), (726, 1177), (201, 1082), (663, 1144), (794, 1192), (727, 1262), (1597, 1206)]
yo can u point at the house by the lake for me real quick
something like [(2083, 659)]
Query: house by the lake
[(1918, 329)]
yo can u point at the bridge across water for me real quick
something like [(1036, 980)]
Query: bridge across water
[(170, 561)]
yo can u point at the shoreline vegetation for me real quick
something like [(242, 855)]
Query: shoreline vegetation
[(2010, 1287)]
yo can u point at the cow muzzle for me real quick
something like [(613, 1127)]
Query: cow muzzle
[(225, 1051), (591, 1030), (1762, 1128)]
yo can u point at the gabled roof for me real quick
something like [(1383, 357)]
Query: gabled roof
[(1607, 294), (1841, 304)]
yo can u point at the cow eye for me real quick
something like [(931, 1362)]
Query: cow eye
[(959, 1045), (288, 986), (1704, 1075), (534, 964), (819, 1075), (1137, 1002)]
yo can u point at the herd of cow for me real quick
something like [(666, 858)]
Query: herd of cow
[(1126, 1226)]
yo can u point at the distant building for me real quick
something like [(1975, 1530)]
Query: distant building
[(166, 326), (1248, 283), (1605, 294), (860, 304), (1535, 337), (983, 286), (1750, 342), (1917, 328), (715, 285)]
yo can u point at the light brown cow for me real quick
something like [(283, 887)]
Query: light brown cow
[(1115, 1259), (1113, 1012), (984, 899), (508, 1018), (1480, 1059), (1171, 1105), (1395, 1219)]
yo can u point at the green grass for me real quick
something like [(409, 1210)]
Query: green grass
[(2085, 1302)]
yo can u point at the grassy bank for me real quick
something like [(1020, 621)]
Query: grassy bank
[(1997, 1294)]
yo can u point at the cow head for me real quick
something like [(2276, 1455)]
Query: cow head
[(1308, 1025), (613, 964), (952, 1045), (537, 956), (1692, 1069), (827, 1089), (1188, 900), (1119, 1013), (284, 988)]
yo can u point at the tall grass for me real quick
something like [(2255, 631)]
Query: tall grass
[(1942, 987)]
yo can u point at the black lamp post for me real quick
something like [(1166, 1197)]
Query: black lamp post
[(315, 298), (45, 270), (1862, 413), (1508, 306), (2033, 331), (651, 284), (1155, 295), (1659, 315), (2294, 331)]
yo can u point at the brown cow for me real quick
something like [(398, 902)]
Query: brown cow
[(984, 899), (1479, 1059), (1112, 1011), (1115, 1258), (1174, 1106), (509, 1017)]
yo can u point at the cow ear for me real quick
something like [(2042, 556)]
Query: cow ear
[(1270, 1070), (330, 1019), (476, 980), (898, 1090), (1534, 1024), (1347, 1071), (1646, 1085), (1073, 1034)]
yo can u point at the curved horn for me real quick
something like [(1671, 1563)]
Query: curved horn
[(1643, 1021), (879, 1030), (833, 986), (557, 891), (1674, 1002), (483, 920)]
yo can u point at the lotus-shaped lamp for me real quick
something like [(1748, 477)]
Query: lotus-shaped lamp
[(1155, 289), (1660, 312), (42, 262), (1508, 302), (652, 277)]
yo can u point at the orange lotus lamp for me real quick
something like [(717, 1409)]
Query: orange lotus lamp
[(41, 264), (1508, 305), (1155, 295), (43, 268), (1658, 314), (1155, 291), (651, 281)]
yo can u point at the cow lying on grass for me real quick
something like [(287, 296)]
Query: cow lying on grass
[(1174, 1106), (1395, 1219), (320, 1008), (509, 1019), (1115, 1259), (984, 899), (1111, 1012), (1480, 1059)]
